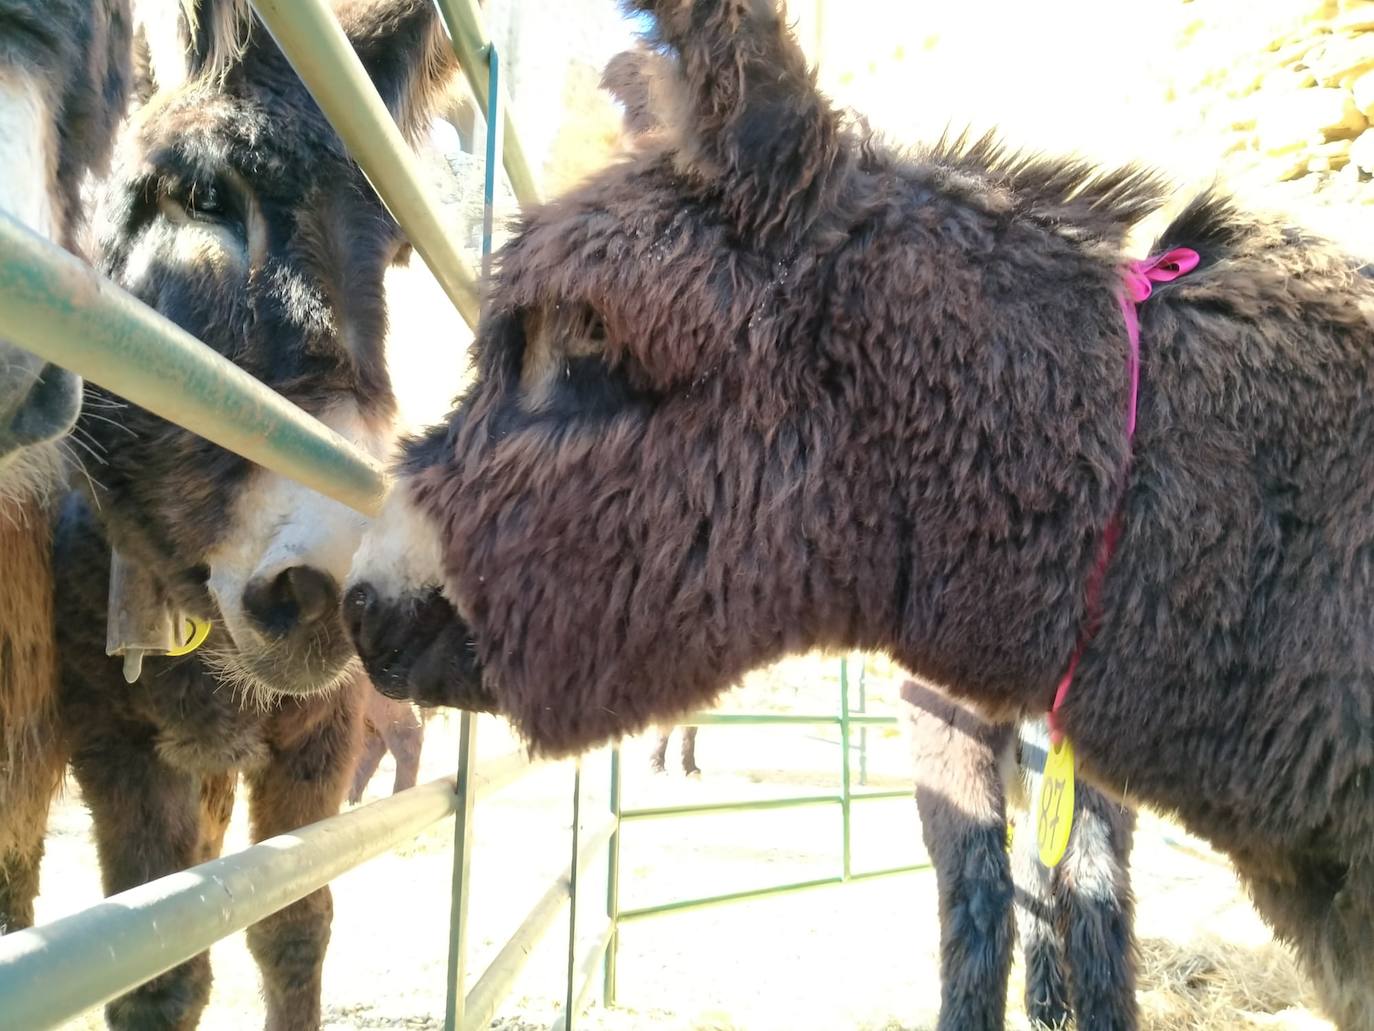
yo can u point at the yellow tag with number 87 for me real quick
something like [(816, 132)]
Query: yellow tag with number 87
[(1053, 808)]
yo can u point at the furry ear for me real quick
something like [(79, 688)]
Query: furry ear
[(178, 40), (215, 34), (750, 113), (633, 77), (406, 52)]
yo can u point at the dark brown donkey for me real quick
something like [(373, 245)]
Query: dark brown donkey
[(772, 385), (234, 210), (65, 69)]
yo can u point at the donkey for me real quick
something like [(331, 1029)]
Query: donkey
[(659, 759), (234, 210), (772, 385), (388, 726), (1075, 920), (64, 83)]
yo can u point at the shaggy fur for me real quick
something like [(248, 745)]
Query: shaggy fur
[(1074, 920), (76, 54), (388, 726), (773, 386), (234, 210)]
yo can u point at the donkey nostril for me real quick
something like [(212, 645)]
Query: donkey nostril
[(297, 597), (316, 593)]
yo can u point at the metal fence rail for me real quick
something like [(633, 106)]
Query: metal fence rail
[(53, 973)]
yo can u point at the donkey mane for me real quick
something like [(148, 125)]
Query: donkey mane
[(1097, 203)]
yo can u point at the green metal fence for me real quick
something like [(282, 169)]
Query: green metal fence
[(57, 307), (847, 721)]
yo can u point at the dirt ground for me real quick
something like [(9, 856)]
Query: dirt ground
[(861, 956)]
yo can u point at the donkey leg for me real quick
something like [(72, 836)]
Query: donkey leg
[(26, 794), (216, 808), (406, 739), (1047, 988), (19, 877), (1095, 912), (146, 817), (33, 753), (689, 751), (305, 781), (962, 808), (658, 761), (1325, 910), (374, 747)]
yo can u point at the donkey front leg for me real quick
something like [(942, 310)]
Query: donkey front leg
[(26, 792), (374, 747), (304, 781), (689, 751), (659, 759), (1042, 949), (1095, 913), (146, 817), (962, 807), (405, 739)]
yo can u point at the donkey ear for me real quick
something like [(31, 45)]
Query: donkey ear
[(215, 34), (639, 80), (749, 112), (406, 52), (175, 40)]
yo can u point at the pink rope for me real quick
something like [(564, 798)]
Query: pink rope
[(1138, 279)]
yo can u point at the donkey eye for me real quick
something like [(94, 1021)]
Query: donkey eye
[(203, 201)]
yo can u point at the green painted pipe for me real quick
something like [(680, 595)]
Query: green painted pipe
[(627, 915), (759, 805), (872, 796), (462, 877), (312, 40), (62, 310), (845, 786), (53, 973), (608, 982), (741, 719), (471, 43)]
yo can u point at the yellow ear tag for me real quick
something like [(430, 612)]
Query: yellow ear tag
[(1054, 804), (196, 633)]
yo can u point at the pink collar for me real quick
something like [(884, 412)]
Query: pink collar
[(1137, 280)]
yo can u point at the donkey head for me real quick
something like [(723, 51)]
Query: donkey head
[(64, 83), (235, 211)]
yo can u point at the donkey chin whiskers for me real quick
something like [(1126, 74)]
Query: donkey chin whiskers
[(252, 690)]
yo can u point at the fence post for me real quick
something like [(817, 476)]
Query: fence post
[(613, 883), (863, 730), (571, 997), (462, 865), (844, 767)]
